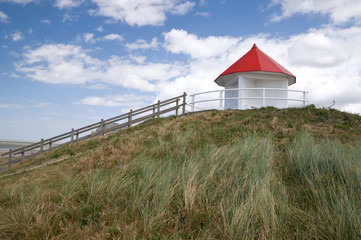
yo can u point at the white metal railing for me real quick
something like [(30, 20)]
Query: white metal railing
[(220, 96)]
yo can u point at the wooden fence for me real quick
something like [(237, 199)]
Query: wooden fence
[(112, 124)]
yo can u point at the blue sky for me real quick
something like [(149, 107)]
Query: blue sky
[(68, 63)]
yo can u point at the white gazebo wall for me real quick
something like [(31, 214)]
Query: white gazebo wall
[(265, 80), (231, 103), (282, 84), (256, 80)]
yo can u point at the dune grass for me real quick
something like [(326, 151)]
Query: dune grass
[(206, 176), (238, 191)]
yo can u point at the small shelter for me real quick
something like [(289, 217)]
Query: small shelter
[(255, 80)]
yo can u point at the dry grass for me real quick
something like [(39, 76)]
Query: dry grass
[(215, 175)]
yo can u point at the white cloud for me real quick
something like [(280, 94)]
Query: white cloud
[(98, 86), (203, 2), (14, 75), (183, 8), (3, 17), (113, 37), (203, 14), (352, 108), (88, 37), (59, 63), (23, 2), (138, 59), (70, 64), (142, 44), (144, 77), (5, 105), (46, 21), (126, 100), (43, 105), (68, 3), (140, 12), (339, 11), (17, 36), (322, 51), (100, 29), (14, 54), (70, 18), (180, 41)]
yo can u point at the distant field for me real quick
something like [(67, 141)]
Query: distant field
[(5, 144)]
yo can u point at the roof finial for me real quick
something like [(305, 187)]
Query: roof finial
[(254, 45)]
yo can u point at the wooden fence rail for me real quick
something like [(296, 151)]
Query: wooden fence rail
[(102, 127)]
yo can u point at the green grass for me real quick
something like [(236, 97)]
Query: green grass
[(259, 174)]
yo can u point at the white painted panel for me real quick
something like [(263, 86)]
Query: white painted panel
[(256, 80), (231, 103)]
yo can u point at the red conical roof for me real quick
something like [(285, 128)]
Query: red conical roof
[(255, 60)]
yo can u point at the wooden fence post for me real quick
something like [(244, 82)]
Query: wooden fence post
[(102, 127), (184, 103), (130, 118), (10, 157), (158, 109), (50, 144), (154, 111), (176, 107), (42, 145), (72, 136)]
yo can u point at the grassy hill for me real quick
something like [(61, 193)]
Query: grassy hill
[(254, 174)]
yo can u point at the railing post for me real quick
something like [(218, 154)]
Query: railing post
[(50, 144), (264, 97), (221, 100), (72, 136), (158, 109), (41, 145), (10, 157), (192, 103), (154, 111), (77, 134), (130, 118), (102, 126), (176, 107), (184, 103), (304, 98)]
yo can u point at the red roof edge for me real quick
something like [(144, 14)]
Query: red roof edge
[(256, 60)]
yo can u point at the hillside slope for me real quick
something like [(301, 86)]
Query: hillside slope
[(255, 174)]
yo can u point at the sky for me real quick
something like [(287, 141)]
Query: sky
[(68, 63)]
